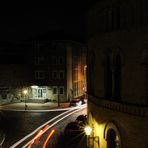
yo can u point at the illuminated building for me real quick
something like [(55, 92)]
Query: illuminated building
[(50, 71), (118, 73)]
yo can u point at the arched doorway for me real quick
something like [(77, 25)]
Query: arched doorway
[(112, 135), (111, 138)]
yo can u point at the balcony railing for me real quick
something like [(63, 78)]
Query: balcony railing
[(121, 107)]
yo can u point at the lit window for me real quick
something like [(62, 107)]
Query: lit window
[(39, 74), (75, 60)]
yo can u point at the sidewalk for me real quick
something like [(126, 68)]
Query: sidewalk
[(33, 106)]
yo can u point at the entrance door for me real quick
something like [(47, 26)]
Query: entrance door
[(39, 93), (42, 92)]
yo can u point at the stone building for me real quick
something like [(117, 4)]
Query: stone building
[(118, 73), (47, 70)]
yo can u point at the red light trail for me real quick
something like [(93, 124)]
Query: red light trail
[(48, 137)]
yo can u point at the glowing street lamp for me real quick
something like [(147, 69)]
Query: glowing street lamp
[(88, 130), (89, 134), (25, 91)]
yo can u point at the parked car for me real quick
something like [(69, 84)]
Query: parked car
[(75, 102)]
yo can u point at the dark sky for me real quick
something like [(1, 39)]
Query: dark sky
[(24, 21)]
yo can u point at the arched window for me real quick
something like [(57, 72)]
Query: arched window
[(117, 76), (108, 77), (145, 11), (145, 64)]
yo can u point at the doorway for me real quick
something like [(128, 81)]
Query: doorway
[(39, 92)]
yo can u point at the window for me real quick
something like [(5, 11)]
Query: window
[(75, 89), (108, 77), (54, 75), (61, 74), (39, 60), (145, 7), (91, 72), (61, 60), (54, 60), (75, 60), (54, 90), (113, 76), (118, 17), (117, 77), (39, 74), (61, 90), (113, 19), (109, 20)]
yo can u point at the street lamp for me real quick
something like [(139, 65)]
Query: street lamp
[(25, 91), (88, 131)]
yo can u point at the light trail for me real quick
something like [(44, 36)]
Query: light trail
[(29, 135), (58, 121), (36, 130), (39, 134), (2, 134), (49, 110), (48, 137)]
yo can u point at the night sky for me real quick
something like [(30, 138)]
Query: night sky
[(25, 21)]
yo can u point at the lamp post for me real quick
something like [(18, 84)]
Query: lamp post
[(25, 91), (90, 136), (88, 131)]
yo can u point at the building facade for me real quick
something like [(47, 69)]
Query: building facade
[(47, 70), (117, 73)]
